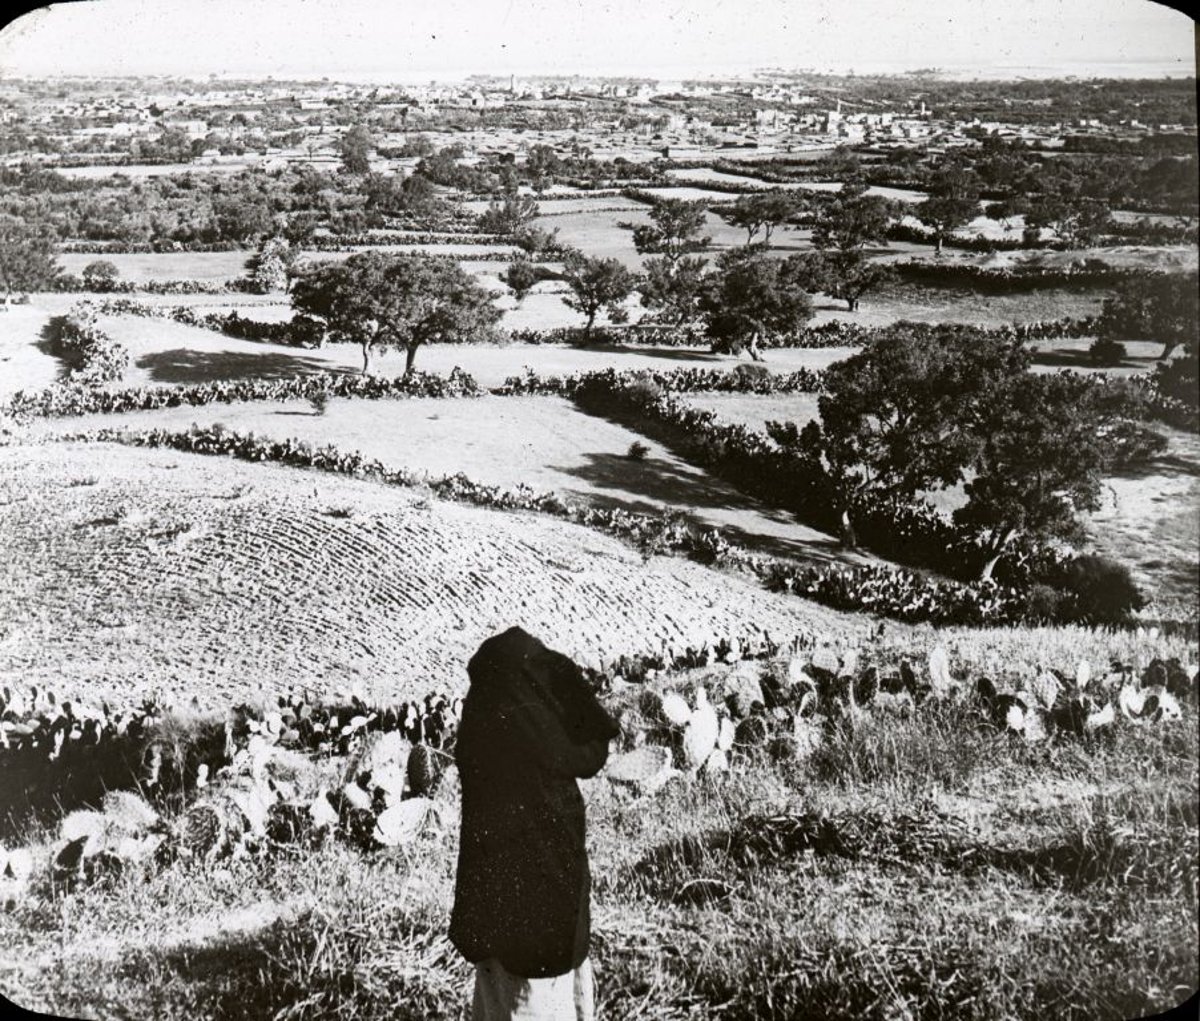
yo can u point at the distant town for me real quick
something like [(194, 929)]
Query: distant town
[(72, 122)]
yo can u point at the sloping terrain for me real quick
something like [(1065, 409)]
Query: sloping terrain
[(544, 443), (125, 572)]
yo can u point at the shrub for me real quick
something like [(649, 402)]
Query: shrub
[(1179, 379), (100, 275), (1043, 603), (752, 372), (637, 451), (1107, 352), (1102, 591), (91, 354)]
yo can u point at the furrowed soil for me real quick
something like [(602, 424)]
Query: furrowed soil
[(126, 572)]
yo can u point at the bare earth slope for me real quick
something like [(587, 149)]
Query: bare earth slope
[(125, 572)]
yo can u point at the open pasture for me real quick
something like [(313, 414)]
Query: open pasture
[(126, 572)]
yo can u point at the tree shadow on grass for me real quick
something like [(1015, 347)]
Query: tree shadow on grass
[(660, 480), (675, 354), (185, 365), (47, 346), (661, 483)]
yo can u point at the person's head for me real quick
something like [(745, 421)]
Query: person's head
[(514, 665)]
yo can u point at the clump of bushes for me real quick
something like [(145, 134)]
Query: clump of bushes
[(1099, 591), (1106, 352), (91, 354)]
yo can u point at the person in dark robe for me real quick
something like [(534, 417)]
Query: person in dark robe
[(530, 728)]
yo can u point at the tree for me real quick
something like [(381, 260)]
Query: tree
[(536, 242), (382, 300), (902, 416), (596, 285), (843, 229), (270, 268), (27, 256), (761, 211), (751, 298), (508, 217), (953, 202), (673, 231), (1076, 220), (356, 148), (1045, 445), (100, 275), (840, 164), (241, 217), (673, 289), (522, 275), (1164, 307)]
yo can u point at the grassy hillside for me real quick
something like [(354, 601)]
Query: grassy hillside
[(916, 865)]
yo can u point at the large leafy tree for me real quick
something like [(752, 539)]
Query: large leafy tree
[(843, 229), (675, 230), (382, 301), (673, 290), (597, 285), (953, 202), (763, 211), (356, 148), (1044, 448), (1163, 307), (27, 256), (672, 280), (750, 298), (903, 416), (1077, 219)]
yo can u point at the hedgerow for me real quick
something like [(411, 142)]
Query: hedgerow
[(91, 354), (63, 401), (891, 592)]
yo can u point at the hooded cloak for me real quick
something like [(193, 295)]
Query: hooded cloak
[(530, 726)]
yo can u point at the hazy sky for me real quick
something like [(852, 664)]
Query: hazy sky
[(667, 37)]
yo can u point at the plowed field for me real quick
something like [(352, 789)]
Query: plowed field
[(125, 572)]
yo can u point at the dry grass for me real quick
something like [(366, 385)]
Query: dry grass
[(966, 876)]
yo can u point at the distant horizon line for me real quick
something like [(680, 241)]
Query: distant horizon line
[(1124, 69)]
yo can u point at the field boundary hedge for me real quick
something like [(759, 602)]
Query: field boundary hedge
[(66, 401), (886, 590)]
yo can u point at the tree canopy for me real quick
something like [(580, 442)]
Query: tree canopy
[(27, 256), (762, 211), (674, 230), (750, 297), (597, 285), (1163, 307), (356, 148), (382, 300), (844, 227), (953, 202), (902, 416)]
